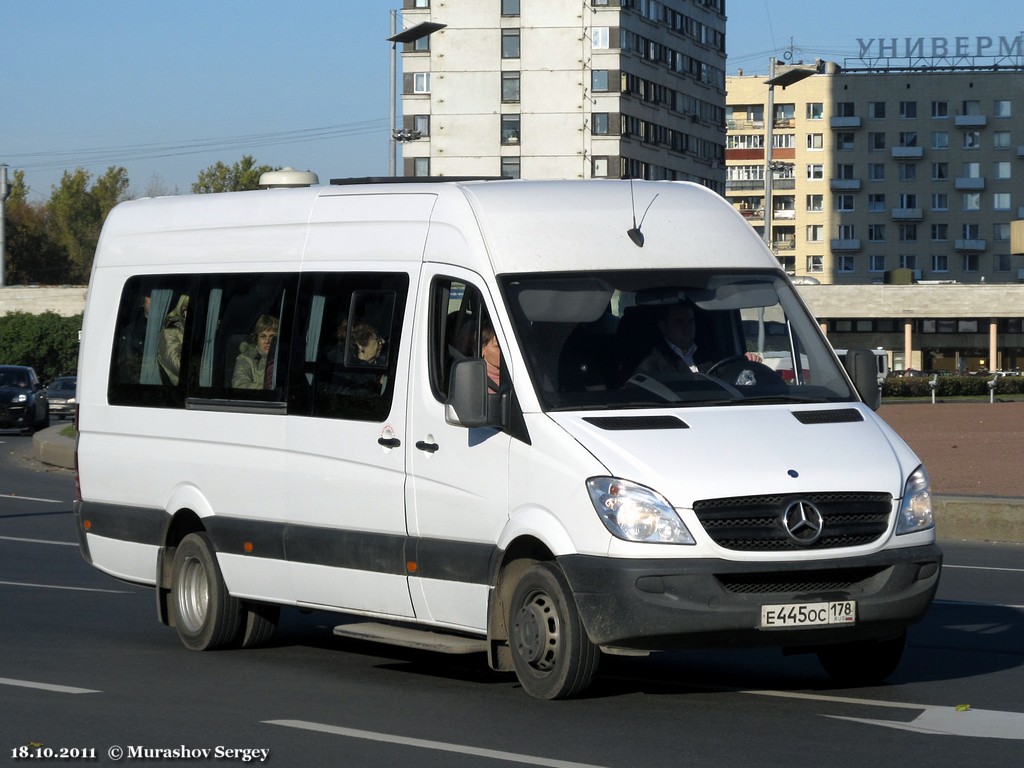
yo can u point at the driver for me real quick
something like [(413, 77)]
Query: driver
[(674, 349)]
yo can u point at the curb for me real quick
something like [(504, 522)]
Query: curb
[(964, 518)]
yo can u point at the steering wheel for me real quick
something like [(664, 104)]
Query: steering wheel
[(713, 370), (765, 380)]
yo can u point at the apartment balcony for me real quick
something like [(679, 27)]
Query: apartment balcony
[(784, 244), (844, 185), (907, 214), (752, 213), (970, 121), (972, 246), (784, 213), (778, 184), (1020, 151), (907, 153), (845, 245), (969, 183), (744, 185), (1020, 212), (844, 123)]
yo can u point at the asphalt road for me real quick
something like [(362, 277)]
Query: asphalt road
[(85, 665)]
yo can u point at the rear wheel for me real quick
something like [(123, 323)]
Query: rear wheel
[(205, 615), (552, 654), (260, 623), (863, 663)]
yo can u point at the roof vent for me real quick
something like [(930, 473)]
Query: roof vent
[(288, 177)]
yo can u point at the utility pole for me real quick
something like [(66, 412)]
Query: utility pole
[(5, 192)]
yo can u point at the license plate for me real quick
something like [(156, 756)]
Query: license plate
[(808, 614)]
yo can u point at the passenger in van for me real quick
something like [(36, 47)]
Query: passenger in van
[(675, 348), (172, 336), (490, 351), (361, 347), (250, 370)]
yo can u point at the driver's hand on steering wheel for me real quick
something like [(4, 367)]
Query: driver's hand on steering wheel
[(754, 357)]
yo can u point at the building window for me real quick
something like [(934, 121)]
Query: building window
[(845, 171), (600, 167), (421, 166), (599, 123), (1001, 140), (421, 44), (814, 110), (510, 87), (1002, 262), (972, 139), (908, 261), (940, 262), (815, 141), (876, 141), (844, 203), (599, 38), (844, 141), (908, 110), (510, 167), (940, 139), (970, 231), (1002, 108), (845, 263), (908, 233), (1001, 232), (940, 201), (847, 232), (845, 109), (599, 80), (940, 232), (814, 233), (908, 171), (876, 171), (421, 4), (908, 201), (972, 201), (421, 82), (970, 107), (908, 138), (970, 262), (876, 110), (876, 202), (876, 263), (815, 264), (1002, 170), (876, 233), (815, 202), (421, 125), (509, 129), (510, 43), (1001, 201), (509, 7), (815, 171), (940, 109), (940, 171)]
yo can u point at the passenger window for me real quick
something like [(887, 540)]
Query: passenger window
[(460, 327), (351, 326), (151, 342)]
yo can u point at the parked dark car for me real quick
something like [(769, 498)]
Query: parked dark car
[(23, 401), (61, 393)]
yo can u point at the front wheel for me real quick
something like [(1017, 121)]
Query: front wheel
[(205, 615), (862, 663), (552, 654)]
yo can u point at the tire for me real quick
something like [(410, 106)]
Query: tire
[(205, 615), (259, 623), (552, 655), (863, 663)]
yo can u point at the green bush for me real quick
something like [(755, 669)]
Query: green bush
[(951, 386), (47, 342)]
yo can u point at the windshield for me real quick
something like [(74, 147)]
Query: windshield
[(651, 338)]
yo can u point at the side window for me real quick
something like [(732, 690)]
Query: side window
[(349, 326), (459, 327), (150, 342), (242, 323)]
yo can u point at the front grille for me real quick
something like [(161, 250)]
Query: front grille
[(755, 523), (795, 582)]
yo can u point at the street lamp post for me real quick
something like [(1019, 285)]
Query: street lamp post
[(784, 74), (5, 192), (410, 35)]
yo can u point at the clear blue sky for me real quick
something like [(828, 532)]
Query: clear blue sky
[(168, 88)]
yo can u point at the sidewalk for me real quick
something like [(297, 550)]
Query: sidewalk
[(957, 442)]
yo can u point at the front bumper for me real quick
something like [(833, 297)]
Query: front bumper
[(14, 416), (676, 603)]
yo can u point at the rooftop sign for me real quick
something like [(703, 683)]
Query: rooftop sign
[(942, 51)]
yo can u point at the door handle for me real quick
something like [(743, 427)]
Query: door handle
[(425, 446), (389, 442)]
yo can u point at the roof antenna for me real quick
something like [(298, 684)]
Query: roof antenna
[(635, 234)]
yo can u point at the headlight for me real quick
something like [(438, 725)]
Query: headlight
[(916, 510), (22, 398), (635, 513)]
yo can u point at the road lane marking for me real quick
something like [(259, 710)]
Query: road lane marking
[(940, 721), (45, 686), (31, 498), (441, 746), (39, 541), (984, 568), (57, 586), (976, 604)]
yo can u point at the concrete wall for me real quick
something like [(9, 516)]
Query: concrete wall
[(65, 301)]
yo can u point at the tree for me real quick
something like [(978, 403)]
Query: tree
[(32, 257), (244, 174)]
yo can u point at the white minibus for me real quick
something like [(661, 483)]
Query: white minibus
[(527, 419)]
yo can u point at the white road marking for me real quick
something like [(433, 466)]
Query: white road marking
[(39, 541), (984, 568), (32, 498), (45, 686), (57, 586), (441, 746), (940, 721)]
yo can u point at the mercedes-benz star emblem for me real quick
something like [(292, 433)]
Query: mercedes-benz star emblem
[(803, 522)]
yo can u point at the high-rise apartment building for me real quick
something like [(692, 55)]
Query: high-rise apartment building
[(883, 169), (565, 89)]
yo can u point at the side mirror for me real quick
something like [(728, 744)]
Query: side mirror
[(860, 364), (469, 404)]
